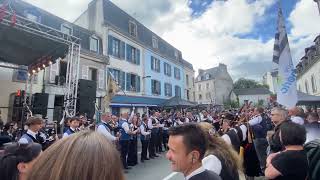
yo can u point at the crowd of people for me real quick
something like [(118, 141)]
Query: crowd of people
[(230, 145)]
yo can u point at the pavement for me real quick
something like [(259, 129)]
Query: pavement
[(153, 169)]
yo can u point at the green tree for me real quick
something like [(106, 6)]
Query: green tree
[(243, 83)]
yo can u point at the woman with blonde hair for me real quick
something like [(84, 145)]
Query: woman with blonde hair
[(220, 157), (83, 156)]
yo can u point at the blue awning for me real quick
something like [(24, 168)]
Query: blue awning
[(137, 101)]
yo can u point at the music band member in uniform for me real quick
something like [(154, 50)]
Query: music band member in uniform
[(32, 135), (145, 138), (153, 126), (133, 144), (125, 138), (106, 127), (74, 123)]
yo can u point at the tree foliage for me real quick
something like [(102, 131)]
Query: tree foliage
[(243, 83)]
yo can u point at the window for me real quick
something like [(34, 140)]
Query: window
[(119, 77), (94, 44), (193, 82), (155, 64), (299, 88), (132, 28), (167, 69), (207, 86), (133, 83), (154, 42), (176, 73), (133, 54), (116, 48), (313, 84), (306, 86), (176, 54), (155, 87), (93, 74), (200, 97), (32, 17), (207, 76), (199, 87), (187, 79), (66, 29), (208, 96), (168, 89), (177, 91)]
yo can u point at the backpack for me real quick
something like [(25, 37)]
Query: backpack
[(312, 149)]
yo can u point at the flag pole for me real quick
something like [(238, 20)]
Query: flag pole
[(112, 77)]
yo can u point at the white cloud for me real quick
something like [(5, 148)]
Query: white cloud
[(211, 38), (66, 9)]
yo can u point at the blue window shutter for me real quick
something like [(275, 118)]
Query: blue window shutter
[(122, 82), (128, 82), (110, 38), (128, 49), (137, 56), (152, 86), (152, 62), (122, 50), (158, 62), (138, 83)]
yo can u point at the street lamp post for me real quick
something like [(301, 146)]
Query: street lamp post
[(318, 2)]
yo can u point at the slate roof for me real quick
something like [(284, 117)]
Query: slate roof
[(119, 19), (55, 22), (252, 91)]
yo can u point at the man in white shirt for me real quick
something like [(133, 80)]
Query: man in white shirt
[(105, 128), (153, 125), (125, 138), (145, 138), (187, 146), (295, 115)]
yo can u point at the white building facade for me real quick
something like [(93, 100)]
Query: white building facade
[(308, 70)]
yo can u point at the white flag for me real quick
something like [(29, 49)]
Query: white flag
[(287, 85)]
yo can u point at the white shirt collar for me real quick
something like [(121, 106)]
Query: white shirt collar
[(195, 172), (33, 134), (72, 129)]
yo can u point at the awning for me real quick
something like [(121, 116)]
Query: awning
[(177, 102), (137, 101), (307, 99)]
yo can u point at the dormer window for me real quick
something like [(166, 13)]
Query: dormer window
[(154, 42), (66, 29), (32, 17), (176, 54), (132, 28), (94, 44)]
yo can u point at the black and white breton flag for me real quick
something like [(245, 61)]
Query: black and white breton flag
[(286, 81)]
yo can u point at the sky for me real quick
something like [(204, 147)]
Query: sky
[(238, 33)]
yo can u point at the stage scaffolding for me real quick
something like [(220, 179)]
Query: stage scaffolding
[(11, 20)]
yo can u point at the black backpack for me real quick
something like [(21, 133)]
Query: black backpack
[(312, 149)]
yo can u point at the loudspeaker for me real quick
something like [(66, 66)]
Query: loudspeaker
[(86, 97), (40, 104)]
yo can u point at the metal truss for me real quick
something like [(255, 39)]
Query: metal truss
[(71, 89), (73, 58)]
